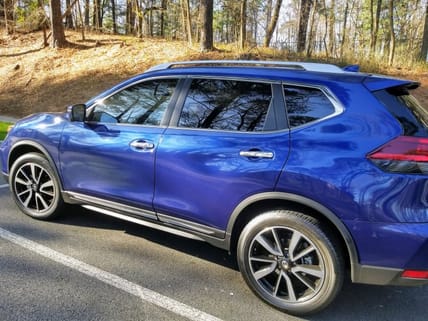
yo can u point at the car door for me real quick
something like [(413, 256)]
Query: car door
[(111, 155), (229, 141)]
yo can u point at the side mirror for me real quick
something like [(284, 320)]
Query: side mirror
[(77, 112)]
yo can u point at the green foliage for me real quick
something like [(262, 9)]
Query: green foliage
[(29, 15), (3, 129)]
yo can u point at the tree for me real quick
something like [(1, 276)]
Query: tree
[(305, 9), (207, 8), (113, 16), (58, 36), (424, 49), (272, 24), (392, 33), (187, 20), (243, 24), (8, 15), (68, 16), (374, 24)]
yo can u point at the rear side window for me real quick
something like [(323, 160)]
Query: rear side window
[(226, 105), (305, 105), (406, 109)]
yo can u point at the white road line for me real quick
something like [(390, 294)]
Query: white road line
[(111, 279), (4, 186)]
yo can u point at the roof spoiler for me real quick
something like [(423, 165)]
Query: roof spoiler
[(352, 68)]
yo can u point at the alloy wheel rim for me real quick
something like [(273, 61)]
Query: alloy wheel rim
[(34, 188), (286, 264)]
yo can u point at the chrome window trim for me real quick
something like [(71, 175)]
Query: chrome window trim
[(337, 105), (137, 82)]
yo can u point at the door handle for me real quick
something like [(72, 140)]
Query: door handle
[(256, 154), (142, 145)]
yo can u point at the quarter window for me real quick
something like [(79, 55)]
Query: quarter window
[(226, 105), (144, 103), (305, 105)]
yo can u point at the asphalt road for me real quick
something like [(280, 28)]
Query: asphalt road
[(85, 266)]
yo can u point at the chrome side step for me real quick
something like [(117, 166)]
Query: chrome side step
[(132, 219)]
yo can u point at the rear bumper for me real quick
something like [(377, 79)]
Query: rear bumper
[(386, 250), (383, 276)]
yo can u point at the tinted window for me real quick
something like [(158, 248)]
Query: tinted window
[(226, 105), (305, 105), (144, 103), (405, 108)]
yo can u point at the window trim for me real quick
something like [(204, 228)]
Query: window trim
[(277, 103), (337, 105), (166, 117)]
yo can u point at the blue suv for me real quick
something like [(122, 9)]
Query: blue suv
[(307, 172)]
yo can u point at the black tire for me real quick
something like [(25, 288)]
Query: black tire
[(289, 261), (35, 187)]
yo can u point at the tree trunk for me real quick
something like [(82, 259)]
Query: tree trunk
[(162, 17), (58, 36), (424, 49), (113, 15), (305, 9), (345, 20), (331, 33), (391, 30), (243, 24), (272, 23), (130, 16), (98, 19), (188, 21), (87, 14), (8, 15), (68, 17), (206, 13), (374, 24)]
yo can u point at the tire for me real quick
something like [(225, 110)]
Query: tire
[(35, 187), (289, 261)]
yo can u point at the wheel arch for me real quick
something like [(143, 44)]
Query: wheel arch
[(27, 146), (257, 204)]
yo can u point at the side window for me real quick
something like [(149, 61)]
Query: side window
[(144, 103), (226, 105), (305, 105)]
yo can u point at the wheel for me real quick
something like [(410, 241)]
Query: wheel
[(289, 261), (35, 188)]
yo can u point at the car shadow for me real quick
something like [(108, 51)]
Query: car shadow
[(79, 216)]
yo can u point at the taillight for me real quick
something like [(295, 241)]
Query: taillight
[(415, 274), (404, 154)]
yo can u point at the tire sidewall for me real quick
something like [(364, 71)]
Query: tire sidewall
[(332, 262)]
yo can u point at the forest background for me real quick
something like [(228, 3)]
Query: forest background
[(59, 52)]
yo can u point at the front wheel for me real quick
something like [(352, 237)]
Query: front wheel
[(288, 260), (34, 187)]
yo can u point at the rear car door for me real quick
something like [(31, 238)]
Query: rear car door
[(111, 155), (228, 142)]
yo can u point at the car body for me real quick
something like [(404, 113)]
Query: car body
[(303, 170)]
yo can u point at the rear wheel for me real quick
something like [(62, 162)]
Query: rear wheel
[(288, 260), (35, 187)]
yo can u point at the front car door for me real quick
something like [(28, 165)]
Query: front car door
[(227, 143), (110, 157)]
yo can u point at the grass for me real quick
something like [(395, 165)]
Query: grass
[(3, 129)]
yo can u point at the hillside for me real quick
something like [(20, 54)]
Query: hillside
[(35, 79)]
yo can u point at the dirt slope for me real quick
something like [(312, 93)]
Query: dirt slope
[(34, 79)]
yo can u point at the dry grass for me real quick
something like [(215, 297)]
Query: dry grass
[(34, 79)]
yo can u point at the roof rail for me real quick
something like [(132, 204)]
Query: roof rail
[(309, 66)]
